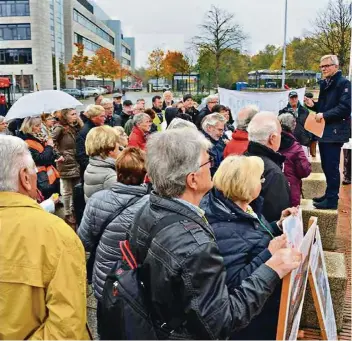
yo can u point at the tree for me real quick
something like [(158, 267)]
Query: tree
[(174, 61), (79, 65), (155, 68), (219, 33), (105, 66), (332, 32), (141, 73), (264, 58)]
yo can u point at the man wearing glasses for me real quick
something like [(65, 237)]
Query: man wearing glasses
[(334, 106), (210, 102)]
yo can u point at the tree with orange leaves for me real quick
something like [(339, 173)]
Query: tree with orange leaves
[(79, 65), (174, 61), (104, 65), (155, 67)]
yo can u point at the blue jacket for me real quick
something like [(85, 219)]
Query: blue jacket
[(243, 243), (216, 151), (335, 104)]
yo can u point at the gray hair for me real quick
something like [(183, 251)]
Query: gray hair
[(212, 119), (288, 121), (211, 98), (178, 123), (263, 125), (180, 151), (333, 58), (106, 101), (14, 155), (245, 115), (139, 118)]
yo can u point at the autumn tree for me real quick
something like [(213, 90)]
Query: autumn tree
[(174, 61), (105, 66), (155, 67), (219, 32), (332, 32), (79, 65)]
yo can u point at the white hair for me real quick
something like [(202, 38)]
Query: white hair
[(211, 98), (287, 121), (178, 123), (333, 58), (245, 115), (264, 124), (106, 101), (212, 119), (14, 155), (180, 151), (139, 118)]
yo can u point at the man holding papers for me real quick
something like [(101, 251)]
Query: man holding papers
[(334, 106)]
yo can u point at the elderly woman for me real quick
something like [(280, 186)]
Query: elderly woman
[(102, 146), (43, 154), (167, 99), (178, 123), (48, 122), (245, 240), (109, 214), (64, 137), (296, 165), (123, 137), (3, 126), (141, 129)]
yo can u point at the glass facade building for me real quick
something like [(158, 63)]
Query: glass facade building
[(14, 8), (15, 32), (59, 37)]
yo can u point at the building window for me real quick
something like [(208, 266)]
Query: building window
[(15, 56), (126, 50), (14, 8), (126, 62), (88, 44), (82, 20), (15, 32)]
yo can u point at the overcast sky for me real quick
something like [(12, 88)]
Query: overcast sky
[(171, 24)]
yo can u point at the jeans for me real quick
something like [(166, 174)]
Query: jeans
[(330, 162), (66, 186)]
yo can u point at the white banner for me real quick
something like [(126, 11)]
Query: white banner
[(266, 101)]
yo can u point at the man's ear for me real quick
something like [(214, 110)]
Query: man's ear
[(191, 181), (24, 179)]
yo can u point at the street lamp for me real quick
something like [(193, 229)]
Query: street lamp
[(284, 50)]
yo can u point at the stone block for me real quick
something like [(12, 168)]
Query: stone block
[(316, 165), (327, 222), (337, 275), (314, 185), (92, 322)]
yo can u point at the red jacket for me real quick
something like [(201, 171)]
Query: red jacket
[(238, 145), (137, 138)]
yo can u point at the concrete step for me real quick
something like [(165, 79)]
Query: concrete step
[(314, 185), (316, 165), (327, 221), (337, 275)]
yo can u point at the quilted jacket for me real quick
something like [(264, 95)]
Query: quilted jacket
[(98, 210), (243, 243)]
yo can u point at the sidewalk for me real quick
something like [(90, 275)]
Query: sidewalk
[(344, 246)]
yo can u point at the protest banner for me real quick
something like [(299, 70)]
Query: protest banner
[(266, 101), (319, 284), (293, 291)]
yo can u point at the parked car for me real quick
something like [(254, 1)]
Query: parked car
[(93, 91), (161, 87), (108, 89), (76, 93), (103, 90)]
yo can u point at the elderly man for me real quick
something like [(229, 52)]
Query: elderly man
[(183, 272), (42, 261), (334, 106), (95, 117), (127, 112), (140, 131), (210, 102), (239, 143), (189, 107), (213, 129), (264, 133), (117, 98), (111, 119)]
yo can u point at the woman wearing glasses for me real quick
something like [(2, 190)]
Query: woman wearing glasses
[(245, 239)]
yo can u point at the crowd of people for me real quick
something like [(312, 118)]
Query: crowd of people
[(201, 197)]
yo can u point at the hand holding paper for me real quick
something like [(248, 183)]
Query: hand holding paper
[(314, 127)]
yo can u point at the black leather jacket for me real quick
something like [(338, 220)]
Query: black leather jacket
[(185, 276)]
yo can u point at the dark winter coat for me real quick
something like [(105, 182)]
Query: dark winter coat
[(117, 109), (46, 158), (165, 106), (238, 145), (64, 138), (171, 113), (113, 121), (243, 243), (204, 112), (81, 156), (303, 136), (296, 165), (275, 190), (122, 119), (185, 277), (216, 151), (99, 208), (193, 112), (335, 104)]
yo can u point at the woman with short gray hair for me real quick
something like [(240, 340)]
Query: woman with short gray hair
[(142, 124), (296, 165)]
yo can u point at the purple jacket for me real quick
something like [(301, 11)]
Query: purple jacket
[(296, 166)]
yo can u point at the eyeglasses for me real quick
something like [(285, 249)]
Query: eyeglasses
[(262, 179), (211, 161), (325, 66)]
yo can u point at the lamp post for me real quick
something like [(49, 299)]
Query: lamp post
[(284, 49)]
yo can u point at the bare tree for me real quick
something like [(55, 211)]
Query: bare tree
[(332, 32), (219, 32)]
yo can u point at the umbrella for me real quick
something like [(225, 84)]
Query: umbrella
[(37, 103)]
